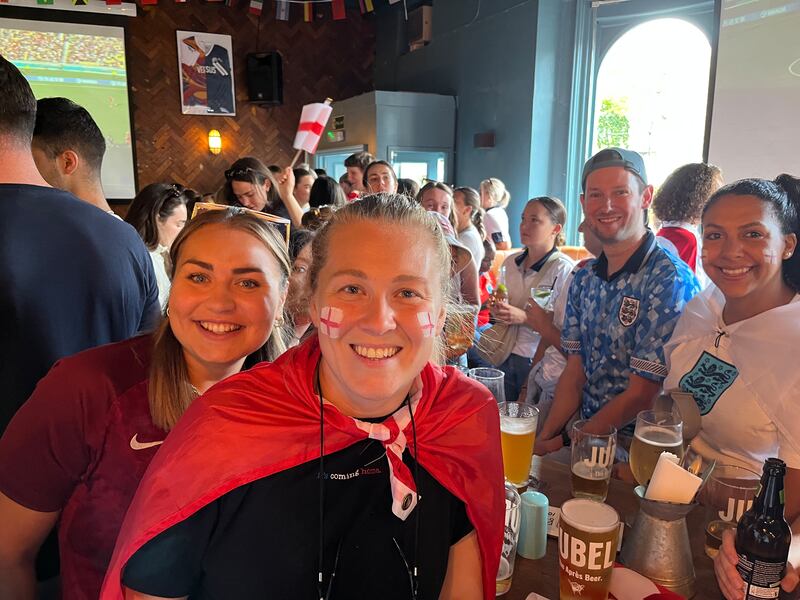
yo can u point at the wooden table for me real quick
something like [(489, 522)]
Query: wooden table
[(541, 575)]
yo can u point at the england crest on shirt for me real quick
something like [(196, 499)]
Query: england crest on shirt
[(628, 311)]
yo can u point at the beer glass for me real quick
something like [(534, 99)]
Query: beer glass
[(543, 296), (655, 432), (517, 435), (592, 459), (729, 492), (587, 546), (493, 379), (510, 537)]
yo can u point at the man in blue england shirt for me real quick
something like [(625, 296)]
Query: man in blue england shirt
[(622, 306)]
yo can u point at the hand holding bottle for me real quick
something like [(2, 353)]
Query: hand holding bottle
[(728, 578), (753, 563)]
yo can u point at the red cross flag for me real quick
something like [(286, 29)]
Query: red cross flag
[(312, 124)]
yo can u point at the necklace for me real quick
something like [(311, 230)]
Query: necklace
[(412, 570)]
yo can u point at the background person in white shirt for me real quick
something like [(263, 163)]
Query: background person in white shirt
[(494, 200), (549, 360), (158, 213), (539, 263), (469, 215)]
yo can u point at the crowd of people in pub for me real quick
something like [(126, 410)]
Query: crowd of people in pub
[(195, 408)]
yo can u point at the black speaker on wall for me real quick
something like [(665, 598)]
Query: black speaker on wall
[(265, 77)]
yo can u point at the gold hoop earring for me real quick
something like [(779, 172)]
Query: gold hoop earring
[(166, 312)]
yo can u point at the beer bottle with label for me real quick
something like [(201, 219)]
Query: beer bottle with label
[(763, 537)]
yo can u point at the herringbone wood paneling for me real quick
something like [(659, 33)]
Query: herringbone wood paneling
[(323, 58)]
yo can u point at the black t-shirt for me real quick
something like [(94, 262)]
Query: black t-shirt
[(261, 540), (71, 277)]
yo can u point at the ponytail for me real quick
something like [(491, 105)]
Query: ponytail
[(473, 200), (791, 266), (497, 192), (477, 221)]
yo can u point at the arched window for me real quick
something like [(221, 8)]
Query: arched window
[(651, 95)]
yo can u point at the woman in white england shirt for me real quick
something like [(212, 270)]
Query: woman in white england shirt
[(734, 346)]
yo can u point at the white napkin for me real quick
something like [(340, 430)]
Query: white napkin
[(671, 482)]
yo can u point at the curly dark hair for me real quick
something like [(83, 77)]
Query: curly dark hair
[(684, 193)]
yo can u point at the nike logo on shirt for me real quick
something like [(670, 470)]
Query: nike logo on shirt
[(137, 445)]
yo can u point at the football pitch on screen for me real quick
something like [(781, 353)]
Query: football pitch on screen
[(103, 92)]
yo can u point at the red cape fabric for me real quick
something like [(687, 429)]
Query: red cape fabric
[(266, 420)]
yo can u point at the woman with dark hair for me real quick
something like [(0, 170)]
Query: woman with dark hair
[(302, 478), (407, 187), (297, 300), (437, 197), (678, 205), (158, 213), (76, 451), (249, 183), (303, 181), (735, 346), (379, 177), (512, 344), (326, 192), (469, 215)]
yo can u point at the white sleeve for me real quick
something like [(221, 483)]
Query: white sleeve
[(498, 231), (491, 225)]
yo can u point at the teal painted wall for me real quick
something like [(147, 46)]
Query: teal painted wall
[(483, 53)]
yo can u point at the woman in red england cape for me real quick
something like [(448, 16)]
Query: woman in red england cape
[(351, 467)]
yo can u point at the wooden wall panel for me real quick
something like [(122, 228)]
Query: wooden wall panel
[(323, 58)]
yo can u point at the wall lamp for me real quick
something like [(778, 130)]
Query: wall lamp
[(214, 142)]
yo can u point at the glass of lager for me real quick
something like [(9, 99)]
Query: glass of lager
[(587, 546), (592, 458), (493, 379), (517, 435), (510, 537), (656, 432), (729, 492)]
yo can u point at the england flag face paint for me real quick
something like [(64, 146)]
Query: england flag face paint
[(330, 321), (771, 257), (426, 324)]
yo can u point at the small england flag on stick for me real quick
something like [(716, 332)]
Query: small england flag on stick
[(312, 123)]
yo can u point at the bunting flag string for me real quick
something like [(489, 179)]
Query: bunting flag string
[(256, 7), (281, 10), (338, 10)]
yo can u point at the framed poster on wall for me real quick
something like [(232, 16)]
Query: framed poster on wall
[(205, 63)]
